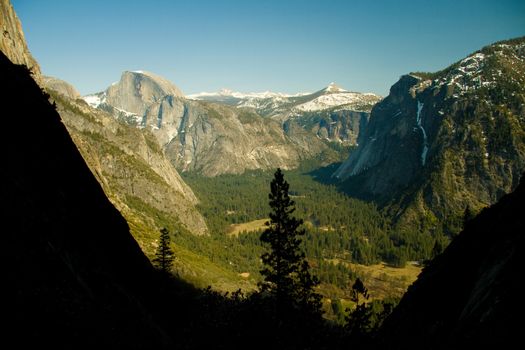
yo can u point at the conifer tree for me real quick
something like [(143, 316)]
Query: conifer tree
[(358, 322), (359, 289), (437, 249), (467, 216), (164, 256), (286, 273)]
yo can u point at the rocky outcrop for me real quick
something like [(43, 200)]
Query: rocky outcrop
[(468, 296), (60, 86), (206, 137), (12, 41), (444, 141), (389, 141), (335, 125)]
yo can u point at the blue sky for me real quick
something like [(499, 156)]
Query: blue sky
[(285, 46)]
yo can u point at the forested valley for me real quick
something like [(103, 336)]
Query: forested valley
[(345, 238)]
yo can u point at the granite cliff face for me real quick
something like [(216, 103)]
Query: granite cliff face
[(206, 137), (137, 91), (441, 142), (390, 140), (343, 126), (12, 41)]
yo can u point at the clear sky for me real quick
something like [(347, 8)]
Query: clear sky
[(255, 45)]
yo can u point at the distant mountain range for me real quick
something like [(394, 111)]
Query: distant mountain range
[(224, 133), (271, 104), (200, 136), (332, 113)]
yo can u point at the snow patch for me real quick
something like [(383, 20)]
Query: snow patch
[(425, 144), (334, 100), (240, 95), (94, 100), (172, 133), (126, 113)]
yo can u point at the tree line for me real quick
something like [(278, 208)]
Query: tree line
[(336, 225)]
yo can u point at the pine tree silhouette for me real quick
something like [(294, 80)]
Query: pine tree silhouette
[(164, 256), (358, 322), (286, 273)]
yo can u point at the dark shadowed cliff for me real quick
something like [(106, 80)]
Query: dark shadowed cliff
[(469, 296), (72, 273)]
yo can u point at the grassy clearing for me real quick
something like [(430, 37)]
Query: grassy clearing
[(383, 280), (202, 272), (251, 226)]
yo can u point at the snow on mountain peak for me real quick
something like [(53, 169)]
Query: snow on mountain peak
[(333, 87), (334, 99), (226, 92), (329, 97), (240, 95)]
